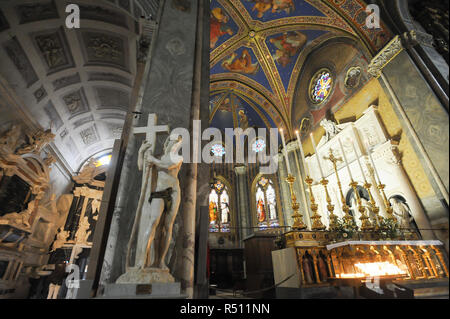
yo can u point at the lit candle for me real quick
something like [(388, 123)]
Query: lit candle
[(317, 155), (359, 162), (285, 152), (302, 154), (373, 165), (345, 159)]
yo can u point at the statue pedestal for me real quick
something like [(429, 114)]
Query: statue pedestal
[(147, 283), (145, 276)]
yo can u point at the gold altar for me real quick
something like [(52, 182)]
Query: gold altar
[(323, 256)]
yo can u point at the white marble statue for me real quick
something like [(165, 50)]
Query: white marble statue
[(20, 219), (160, 207), (402, 212), (82, 234), (331, 130)]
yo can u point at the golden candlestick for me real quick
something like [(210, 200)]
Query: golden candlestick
[(389, 210), (316, 218), (365, 222), (298, 218), (330, 206), (348, 219), (375, 208)]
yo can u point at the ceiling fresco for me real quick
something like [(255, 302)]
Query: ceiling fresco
[(258, 49)]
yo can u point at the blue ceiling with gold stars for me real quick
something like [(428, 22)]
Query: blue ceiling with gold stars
[(257, 50)]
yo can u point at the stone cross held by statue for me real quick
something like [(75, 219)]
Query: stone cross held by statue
[(151, 130)]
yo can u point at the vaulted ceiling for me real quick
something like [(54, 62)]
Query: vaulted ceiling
[(262, 49), (75, 81)]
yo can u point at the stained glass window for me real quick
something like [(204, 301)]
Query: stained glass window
[(219, 208), (218, 150), (266, 204), (320, 86), (259, 145)]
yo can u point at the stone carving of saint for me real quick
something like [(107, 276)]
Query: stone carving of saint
[(95, 208), (36, 142), (356, 213), (161, 207), (331, 130), (61, 238), (82, 234), (21, 219), (9, 139), (401, 210), (88, 172)]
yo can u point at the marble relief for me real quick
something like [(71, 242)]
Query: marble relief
[(76, 102), (115, 130), (104, 49), (54, 50), (89, 135)]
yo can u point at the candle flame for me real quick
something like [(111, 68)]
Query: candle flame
[(377, 269)]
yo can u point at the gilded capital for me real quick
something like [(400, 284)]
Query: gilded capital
[(386, 55)]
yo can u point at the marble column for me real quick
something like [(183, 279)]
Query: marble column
[(243, 202), (168, 91), (417, 210), (388, 154)]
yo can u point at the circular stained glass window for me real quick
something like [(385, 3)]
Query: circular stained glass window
[(218, 150), (259, 145), (320, 86)]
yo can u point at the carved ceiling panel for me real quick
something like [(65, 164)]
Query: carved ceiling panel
[(76, 82), (76, 102), (54, 50), (105, 49)]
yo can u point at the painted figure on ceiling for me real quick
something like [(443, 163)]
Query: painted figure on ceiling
[(288, 45), (218, 26), (243, 120), (262, 6), (241, 64)]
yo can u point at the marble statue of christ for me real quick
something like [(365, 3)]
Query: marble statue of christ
[(159, 207)]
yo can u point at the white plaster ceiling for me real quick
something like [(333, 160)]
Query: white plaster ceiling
[(75, 81)]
